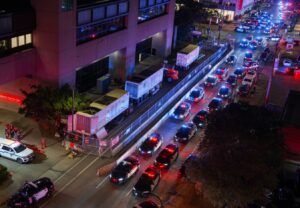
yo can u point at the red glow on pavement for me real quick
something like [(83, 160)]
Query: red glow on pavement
[(11, 98)]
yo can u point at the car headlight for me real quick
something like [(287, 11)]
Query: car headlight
[(181, 116), (121, 179), (149, 152), (110, 176)]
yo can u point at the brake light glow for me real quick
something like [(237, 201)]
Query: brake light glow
[(151, 174)]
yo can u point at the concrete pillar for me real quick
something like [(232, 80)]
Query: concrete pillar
[(117, 64), (158, 43)]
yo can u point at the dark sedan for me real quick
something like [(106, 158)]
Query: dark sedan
[(147, 182), (167, 156), (124, 170), (200, 118), (185, 132), (215, 104)]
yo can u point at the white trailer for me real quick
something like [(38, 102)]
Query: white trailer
[(101, 111), (144, 83), (187, 56)]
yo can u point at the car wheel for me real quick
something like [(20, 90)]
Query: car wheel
[(19, 160)]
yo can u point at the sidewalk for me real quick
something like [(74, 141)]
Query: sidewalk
[(53, 157)]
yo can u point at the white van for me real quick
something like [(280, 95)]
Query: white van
[(15, 150)]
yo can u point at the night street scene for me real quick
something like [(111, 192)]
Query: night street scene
[(150, 103)]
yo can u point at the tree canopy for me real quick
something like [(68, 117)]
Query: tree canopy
[(46, 102), (240, 156)]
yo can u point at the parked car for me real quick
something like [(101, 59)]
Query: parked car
[(151, 144), (244, 43), (287, 62), (231, 59), (211, 81), (250, 65), (197, 94), (239, 72), (243, 90), (249, 37), (224, 92), (215, 104), (15, 150), (124, 170), (147, 182), (167, 157), (252, 74), (182, 111), (240, 29), (248, 56), (232, 80), (249, 80), (31, 193), (185, 132), (222, 73), (147, 204), (253, 45), (200, 118)]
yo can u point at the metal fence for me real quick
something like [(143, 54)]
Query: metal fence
[(116, 141)]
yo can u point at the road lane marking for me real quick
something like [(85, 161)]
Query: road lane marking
[(127, 194), (74, 178), (99, 184), (76, 164)]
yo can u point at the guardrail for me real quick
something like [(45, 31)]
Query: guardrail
[(117, 140)]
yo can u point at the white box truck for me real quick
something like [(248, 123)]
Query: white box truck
[(187, 56), (101, 111), (144, 83)]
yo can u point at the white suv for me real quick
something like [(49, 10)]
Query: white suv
[(15, 150)]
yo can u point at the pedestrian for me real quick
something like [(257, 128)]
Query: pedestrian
[(43, 143)]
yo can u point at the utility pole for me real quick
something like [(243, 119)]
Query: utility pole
[(73, 100)]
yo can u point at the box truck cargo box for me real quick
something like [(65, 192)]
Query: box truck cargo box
[(187, 56), (101, 111), (145, 82)]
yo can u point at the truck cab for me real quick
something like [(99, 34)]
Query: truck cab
[(171, 75)]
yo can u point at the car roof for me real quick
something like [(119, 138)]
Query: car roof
[(7, 142)]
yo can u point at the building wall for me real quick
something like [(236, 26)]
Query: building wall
[(60, 57), (17, 65)]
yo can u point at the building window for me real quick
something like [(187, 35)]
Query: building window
[(123, 7), (28, 38), (98, 13), (84, 17), (66, 5), (91, 32), (14, 42), (143, 3), (21, 40), (111, 10), (152, 12)]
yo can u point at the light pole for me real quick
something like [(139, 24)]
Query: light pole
[(73, 106)]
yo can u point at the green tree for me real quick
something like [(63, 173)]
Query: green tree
[(48, 103), (240, 156)]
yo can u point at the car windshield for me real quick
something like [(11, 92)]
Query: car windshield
[(211, 79), (183, 131), (195, 93), (179, 111), (248, 55), (19, 148), (238, 71), (247, 80), (219, 72), (224, 90), (214, 103)]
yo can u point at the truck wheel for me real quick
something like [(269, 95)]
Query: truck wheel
[(170, 79), (19, 160)]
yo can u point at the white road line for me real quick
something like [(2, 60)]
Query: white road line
[(74, 178), (127, 194), (99, 184), (71, 168)]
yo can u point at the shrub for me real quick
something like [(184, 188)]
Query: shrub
[(3, 173)]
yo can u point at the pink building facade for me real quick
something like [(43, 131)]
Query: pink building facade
[(76, 42)]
